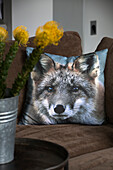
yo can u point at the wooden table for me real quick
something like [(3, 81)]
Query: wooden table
[(33, 154)]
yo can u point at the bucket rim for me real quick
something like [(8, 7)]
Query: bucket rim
[(8, 98)]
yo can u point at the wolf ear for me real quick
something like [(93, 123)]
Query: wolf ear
[(88, 64), (46, 63)]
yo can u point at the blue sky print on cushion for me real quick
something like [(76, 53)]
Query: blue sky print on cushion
[(66, 90)]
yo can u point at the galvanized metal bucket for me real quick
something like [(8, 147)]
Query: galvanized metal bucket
[(8, 115)]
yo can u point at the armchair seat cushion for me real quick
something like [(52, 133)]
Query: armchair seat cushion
[(99, 160), (77, 139)]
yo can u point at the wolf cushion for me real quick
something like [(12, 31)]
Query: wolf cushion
[(66, 90)]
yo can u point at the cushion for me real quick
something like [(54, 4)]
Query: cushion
[(66, 90)]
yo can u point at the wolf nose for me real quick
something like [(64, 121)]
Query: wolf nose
[(59, 109)]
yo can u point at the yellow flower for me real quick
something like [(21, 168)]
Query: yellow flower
[(3, 34), (21, 35), (48, 34)]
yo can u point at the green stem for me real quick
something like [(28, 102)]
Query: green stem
[(5, 67), (27, 68), (2, 49)]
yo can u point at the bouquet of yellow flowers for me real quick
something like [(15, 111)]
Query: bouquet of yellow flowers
[(46, 35)]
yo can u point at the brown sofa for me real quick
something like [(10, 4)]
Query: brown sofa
[(89, 147)]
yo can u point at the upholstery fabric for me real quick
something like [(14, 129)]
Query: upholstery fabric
[(108, 43), (99, 160), (79, 140), (69, 45)]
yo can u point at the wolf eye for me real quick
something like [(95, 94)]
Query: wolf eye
[(75, 89), (50, 89)]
